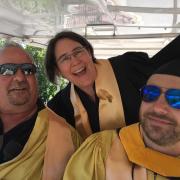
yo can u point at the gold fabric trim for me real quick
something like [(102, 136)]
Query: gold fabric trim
[(118, 165), (88, 162), (59, 147), (81, 118), (111, 114), (157, 162), (111, 110), (28, 164), (46, 152)]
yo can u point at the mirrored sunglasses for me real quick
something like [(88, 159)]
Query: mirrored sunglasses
[(150, 93), (11, 69)]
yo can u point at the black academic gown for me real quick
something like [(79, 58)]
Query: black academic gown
[(131, 70)]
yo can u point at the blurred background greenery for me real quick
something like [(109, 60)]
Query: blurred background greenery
[(46, 89)]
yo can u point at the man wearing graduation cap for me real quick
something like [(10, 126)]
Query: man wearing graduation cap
[(149, 150)]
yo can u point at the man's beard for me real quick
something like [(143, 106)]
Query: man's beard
[(166, 134)]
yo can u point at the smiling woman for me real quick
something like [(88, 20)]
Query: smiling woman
[(101, 94), (74, 62), (76, 53)]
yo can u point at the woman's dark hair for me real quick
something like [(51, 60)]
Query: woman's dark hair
[(50, 60)]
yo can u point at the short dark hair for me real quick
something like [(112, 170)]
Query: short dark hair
[(50, 60)]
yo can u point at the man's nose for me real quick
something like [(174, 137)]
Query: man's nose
[(19, 75), (160, 105)]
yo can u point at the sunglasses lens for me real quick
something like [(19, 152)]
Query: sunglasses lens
[(173, 98), (150, 93), (7, 69), (28, 69), (10, 69)]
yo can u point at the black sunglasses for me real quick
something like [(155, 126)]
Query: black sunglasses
[(10, 69), (150, 93)]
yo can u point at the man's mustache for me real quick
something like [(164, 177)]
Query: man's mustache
[(18, 86), (151, 115)]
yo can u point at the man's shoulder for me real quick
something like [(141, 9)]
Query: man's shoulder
[(52, 116), (91, 157), (60, 126), (99, 141)]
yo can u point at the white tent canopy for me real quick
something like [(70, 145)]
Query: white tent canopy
[(112, 26)]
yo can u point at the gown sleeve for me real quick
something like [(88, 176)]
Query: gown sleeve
[(88, 162)]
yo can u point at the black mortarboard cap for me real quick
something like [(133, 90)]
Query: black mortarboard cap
[(171, 68)]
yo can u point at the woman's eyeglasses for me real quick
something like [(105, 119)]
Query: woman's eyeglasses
[(76, 53), (10, 69), (150, 93)]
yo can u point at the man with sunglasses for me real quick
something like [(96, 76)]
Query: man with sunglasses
[(149, 150), (34, 142)]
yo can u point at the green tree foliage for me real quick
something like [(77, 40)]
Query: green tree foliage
[(46, 89), (2, 41)]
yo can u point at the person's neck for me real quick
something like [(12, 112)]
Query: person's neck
[(172, 150), (11, 120)]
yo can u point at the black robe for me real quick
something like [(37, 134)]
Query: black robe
[(131, 70)]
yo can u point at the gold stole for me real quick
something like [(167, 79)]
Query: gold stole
[(111, 114), (154, 161), (59, 147), (45, 154), (28, 164)]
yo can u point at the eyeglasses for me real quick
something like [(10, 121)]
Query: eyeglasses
[(150, 93), (76, 53), (10, 69)]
